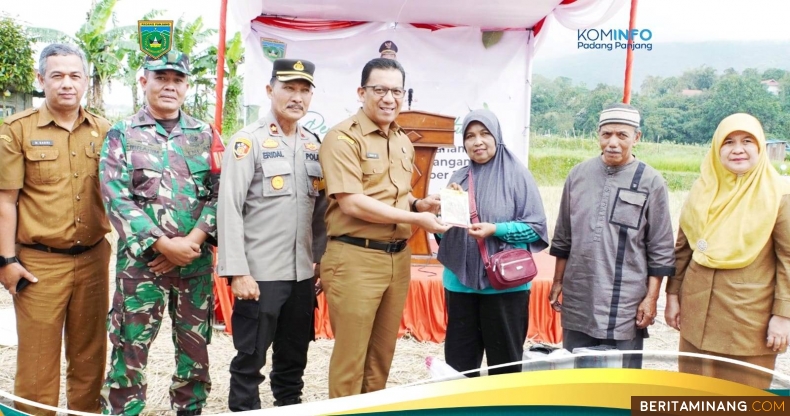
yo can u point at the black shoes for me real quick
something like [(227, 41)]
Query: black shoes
[(287, 402), (189, 412)]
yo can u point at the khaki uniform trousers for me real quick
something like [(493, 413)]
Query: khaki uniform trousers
[(71, 291), (365, 290), (727, 371)]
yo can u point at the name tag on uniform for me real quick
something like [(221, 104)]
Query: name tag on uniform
[(191, 151), (372, 155), (41, 143), (273, 155), (139, 146)]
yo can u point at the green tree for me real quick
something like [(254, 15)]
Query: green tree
[(17, 68), (740, 94), (774, 73), (701, 78), (586, 119), (102, 46), (234, 55), (192, 38)]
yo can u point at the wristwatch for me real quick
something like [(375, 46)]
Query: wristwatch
[(5, 261), (414, 205)]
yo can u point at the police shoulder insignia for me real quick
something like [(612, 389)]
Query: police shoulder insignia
[(5, 137), (311, 146), (273, 129), (346, 139), (270, 144), (241, 147)]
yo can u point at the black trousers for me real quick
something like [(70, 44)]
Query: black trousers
[(575, 339), (495, 324), (282, 316)]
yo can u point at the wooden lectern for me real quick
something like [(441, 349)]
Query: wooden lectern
[(428, 132)]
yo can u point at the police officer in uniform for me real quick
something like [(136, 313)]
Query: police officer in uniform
[(270, 202), (49, 163), (368, 163)]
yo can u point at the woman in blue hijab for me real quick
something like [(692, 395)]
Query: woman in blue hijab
[(481, 319)]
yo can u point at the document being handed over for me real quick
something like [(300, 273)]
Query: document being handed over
[(455, 207)]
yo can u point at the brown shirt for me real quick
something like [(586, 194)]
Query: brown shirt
[(357, 158), (56, 172), (727, 311)]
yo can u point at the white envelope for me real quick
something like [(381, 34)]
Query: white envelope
[(455, 207)]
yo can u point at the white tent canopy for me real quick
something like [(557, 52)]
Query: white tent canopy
[(490, 14)]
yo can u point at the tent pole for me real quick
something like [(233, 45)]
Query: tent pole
[(629, 57), (221, 290), (528, 95), (223, 13)]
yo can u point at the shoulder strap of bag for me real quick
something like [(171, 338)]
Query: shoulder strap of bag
[(481, 244)]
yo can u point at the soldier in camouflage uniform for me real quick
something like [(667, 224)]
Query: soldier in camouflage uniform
[(161, 199)]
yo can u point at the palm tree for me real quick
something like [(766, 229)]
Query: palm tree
[(190, 37), (234, 56), (102, 47)]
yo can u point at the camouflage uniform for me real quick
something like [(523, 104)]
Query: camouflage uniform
[(156, 184)]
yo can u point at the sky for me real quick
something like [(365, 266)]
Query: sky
[(668, 20)]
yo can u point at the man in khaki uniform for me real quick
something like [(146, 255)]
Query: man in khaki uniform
[(367, 162), (49, 164)]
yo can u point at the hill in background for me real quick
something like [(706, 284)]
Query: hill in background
[(665, 60)]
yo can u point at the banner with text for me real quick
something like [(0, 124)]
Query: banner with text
[(450, 71)]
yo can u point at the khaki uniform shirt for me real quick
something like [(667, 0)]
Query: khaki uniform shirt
[(358, 158), (727, 311), (56, 171), (269, 202)]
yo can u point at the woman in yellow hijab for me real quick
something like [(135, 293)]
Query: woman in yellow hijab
[(731, 294)]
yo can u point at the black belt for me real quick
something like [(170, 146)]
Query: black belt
[(389, 247), (73, 251)]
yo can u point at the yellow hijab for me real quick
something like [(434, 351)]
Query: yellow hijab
[(729, 218)]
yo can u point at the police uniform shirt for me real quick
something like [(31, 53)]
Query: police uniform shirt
[(357, 158), (267, 199), (56, 172)]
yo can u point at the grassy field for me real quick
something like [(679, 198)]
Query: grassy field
[(551, 158)]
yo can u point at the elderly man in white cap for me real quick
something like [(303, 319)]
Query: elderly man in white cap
[(613, 242)]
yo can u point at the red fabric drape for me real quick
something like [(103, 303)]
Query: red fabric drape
[(424, 315), (307, 25), (431, 26), (539, 25)]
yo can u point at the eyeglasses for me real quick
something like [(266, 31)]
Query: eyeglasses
[(382, 91)]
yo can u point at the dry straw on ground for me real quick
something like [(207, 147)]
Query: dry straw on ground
[(408, 365)]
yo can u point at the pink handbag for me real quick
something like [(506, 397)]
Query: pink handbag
[(506, 269)]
